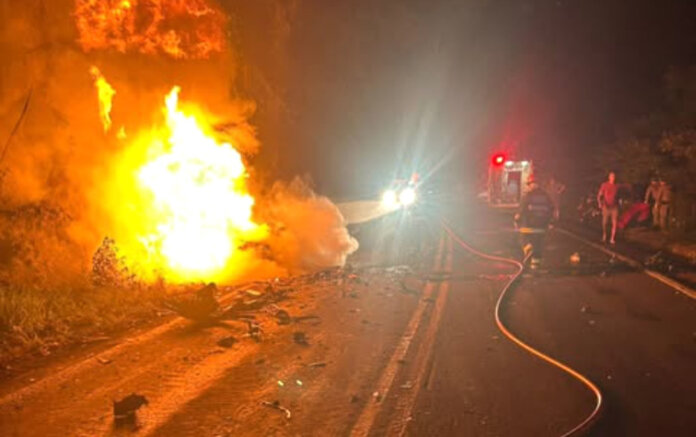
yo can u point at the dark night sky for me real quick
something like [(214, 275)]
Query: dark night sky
[(377, 87)]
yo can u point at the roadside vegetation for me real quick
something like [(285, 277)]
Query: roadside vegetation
[(48, 300), (662, 144)]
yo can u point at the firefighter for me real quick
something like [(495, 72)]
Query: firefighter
[(533, 220)]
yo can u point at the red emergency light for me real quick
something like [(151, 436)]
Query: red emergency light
[(498, 159)]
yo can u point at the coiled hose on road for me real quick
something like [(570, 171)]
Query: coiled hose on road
[(582, 426)]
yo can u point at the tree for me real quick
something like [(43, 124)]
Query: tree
[(663, 144)]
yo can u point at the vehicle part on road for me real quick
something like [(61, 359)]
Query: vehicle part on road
[(125, 409), (582, 426), (276, 406)]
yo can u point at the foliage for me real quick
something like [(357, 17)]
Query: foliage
[(662, 144)]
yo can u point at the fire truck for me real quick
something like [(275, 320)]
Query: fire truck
[(507, 181)]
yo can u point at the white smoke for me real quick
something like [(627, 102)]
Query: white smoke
[(307, 230)]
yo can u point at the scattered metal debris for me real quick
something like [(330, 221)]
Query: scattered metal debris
[(276, 406), (317, 319), (317, 364), (227, 341), (300, 337), (283, 318), (254, 330)]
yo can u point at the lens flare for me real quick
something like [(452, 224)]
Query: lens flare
[(390, 200), (407, 197)]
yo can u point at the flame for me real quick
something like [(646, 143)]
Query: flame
[(182, 205), (183, 29), (105, 94)]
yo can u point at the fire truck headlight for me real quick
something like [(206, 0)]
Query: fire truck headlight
[(407, 197), (389, 200)]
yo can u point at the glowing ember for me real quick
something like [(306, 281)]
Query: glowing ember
[(105, 94), (179, 28), (188, 207)]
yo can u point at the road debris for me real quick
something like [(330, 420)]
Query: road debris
[(227, 341), (200, 307), (300, 337), (88, 340), (575, 258), (407, 385), (252, 292), (104, 361), (377, 396), (406, 289), (315, 319), (317, 364), (254, 330), (283, 318), (126, 408), (276, 406)]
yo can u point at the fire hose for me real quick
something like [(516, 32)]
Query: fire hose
[(519, 265)]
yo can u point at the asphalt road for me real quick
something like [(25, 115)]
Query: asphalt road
[(405, 343)]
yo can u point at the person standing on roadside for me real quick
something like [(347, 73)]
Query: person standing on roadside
[(554, 189), (663, 202), (607, 198), (651, 197)]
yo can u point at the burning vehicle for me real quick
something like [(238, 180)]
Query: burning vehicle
[(139, 140)]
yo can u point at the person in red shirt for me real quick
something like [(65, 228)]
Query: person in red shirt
[(609, 203)]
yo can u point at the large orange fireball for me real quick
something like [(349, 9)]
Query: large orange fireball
[(184, 205)]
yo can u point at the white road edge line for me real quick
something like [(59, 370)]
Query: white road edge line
[(367, 417), (652, 273), (424, 354)]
